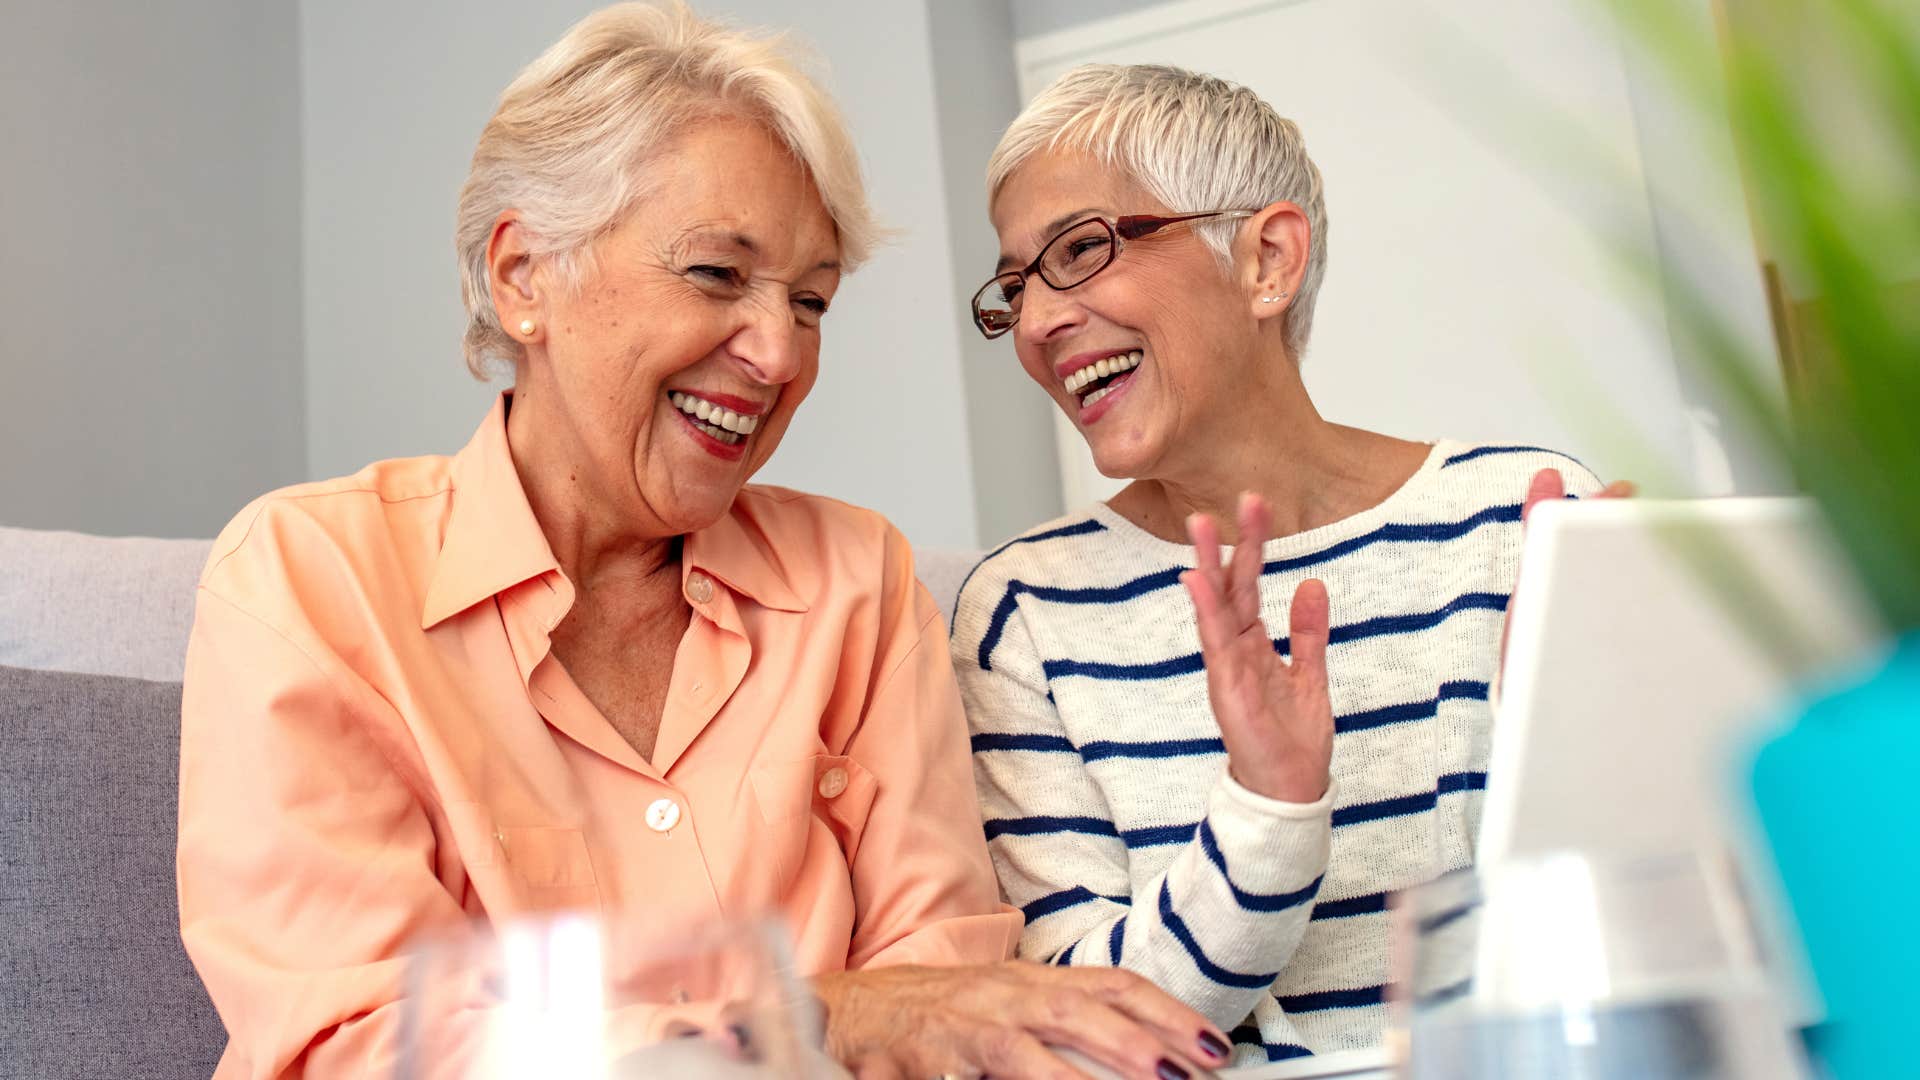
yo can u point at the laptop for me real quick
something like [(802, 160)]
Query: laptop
[(1635, 686)]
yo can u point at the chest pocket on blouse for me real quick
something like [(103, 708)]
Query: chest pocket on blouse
[(539, 856), (835, 793)]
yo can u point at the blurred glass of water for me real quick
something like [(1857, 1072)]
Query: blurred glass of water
[(1565, 967), (572, 998)]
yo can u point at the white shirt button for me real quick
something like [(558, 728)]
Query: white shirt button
[(833, 782), (663, 814), (699, 587)]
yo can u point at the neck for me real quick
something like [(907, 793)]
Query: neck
[(598, 548), (1311, 472)]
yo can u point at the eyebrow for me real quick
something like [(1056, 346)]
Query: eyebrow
[(1049, 230)]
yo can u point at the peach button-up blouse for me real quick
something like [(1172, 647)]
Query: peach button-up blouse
[(378, 744)]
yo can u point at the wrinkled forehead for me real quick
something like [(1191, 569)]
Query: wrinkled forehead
[(1052, 190)]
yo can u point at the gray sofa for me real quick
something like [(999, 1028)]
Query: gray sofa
[(93, 980)]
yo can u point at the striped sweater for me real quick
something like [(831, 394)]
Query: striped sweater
[(1109, 812)]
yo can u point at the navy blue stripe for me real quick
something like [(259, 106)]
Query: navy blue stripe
[(1078, 528), (1159, 669), (1042, 825), (1435, 532), (1163, 748), (1380, 626), (1333, 999), (1252, 901), (985, 741), (1447, 993), (1249, 1035), (1116, 939), (1065, 899), (1487, 451), (1064, 958), (1371, 904), (1461, 690), (1153, 749), (1157, 835), (1446, 918), (1409, 804), (1207, 967), (1047, 825)]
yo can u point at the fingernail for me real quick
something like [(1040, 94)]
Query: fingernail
[(1168, 1070), (1211, 1045)]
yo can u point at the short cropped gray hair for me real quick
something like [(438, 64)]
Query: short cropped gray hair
[(570, 143), (1193, 141)]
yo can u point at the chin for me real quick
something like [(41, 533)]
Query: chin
[(1122, 462)]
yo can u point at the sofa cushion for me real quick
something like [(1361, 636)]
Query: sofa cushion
[(93, 979), (97, 604)]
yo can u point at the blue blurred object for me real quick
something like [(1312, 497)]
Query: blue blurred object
[(1837, 799)]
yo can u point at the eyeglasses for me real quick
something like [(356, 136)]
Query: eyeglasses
[(1074, 255)]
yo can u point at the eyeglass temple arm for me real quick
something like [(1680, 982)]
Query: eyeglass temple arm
[(1135, 226)]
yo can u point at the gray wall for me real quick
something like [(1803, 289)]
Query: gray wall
[(1035, 17), (149, 167), (1016, 467), (394, 96)]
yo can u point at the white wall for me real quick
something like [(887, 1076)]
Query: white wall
[(393, 98), (149, 297), (1487, 161)]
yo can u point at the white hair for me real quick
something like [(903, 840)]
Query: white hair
[(1193, 141), (570, 144)]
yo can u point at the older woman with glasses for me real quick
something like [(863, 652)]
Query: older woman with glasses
[(582, 664), (1189, 769)]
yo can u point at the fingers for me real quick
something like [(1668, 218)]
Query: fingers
[(1619, 489), (1085, 1025), (1177, 1025), (1307, 628), (1205, 534), (1256, 524), (1547, 486)]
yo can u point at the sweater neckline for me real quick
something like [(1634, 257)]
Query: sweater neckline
[(1300, 543)]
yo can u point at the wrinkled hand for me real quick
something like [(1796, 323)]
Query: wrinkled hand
[(1549, 486), (1274, 714), (998, 1020)]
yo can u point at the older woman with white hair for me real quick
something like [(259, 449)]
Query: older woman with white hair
[(1218, 785), (582, 664)]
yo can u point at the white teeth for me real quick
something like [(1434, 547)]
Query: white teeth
[(1100, 369), (723, 424)]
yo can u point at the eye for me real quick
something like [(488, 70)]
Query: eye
[(720, 275), (1081, 248)]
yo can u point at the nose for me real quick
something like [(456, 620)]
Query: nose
[(1046, 311), (772, 344)]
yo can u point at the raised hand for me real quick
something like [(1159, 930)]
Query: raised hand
[(1006, 1020), (1274, 715)]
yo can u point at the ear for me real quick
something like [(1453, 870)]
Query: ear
[(1275, 261), (510, 279)]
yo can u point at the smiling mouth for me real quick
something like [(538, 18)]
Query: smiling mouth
[(723, 425), (1098, 379)]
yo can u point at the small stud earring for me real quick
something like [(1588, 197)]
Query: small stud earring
[(526, 327)]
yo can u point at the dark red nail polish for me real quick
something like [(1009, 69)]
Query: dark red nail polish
[(1168, 1070), (1211, 1045)]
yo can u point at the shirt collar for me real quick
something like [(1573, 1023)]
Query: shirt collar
[(738, 551), (492, 542)]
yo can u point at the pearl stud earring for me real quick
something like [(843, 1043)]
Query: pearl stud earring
[(526, 327)]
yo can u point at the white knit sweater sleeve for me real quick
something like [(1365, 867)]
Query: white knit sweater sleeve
[(1213, 929)]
